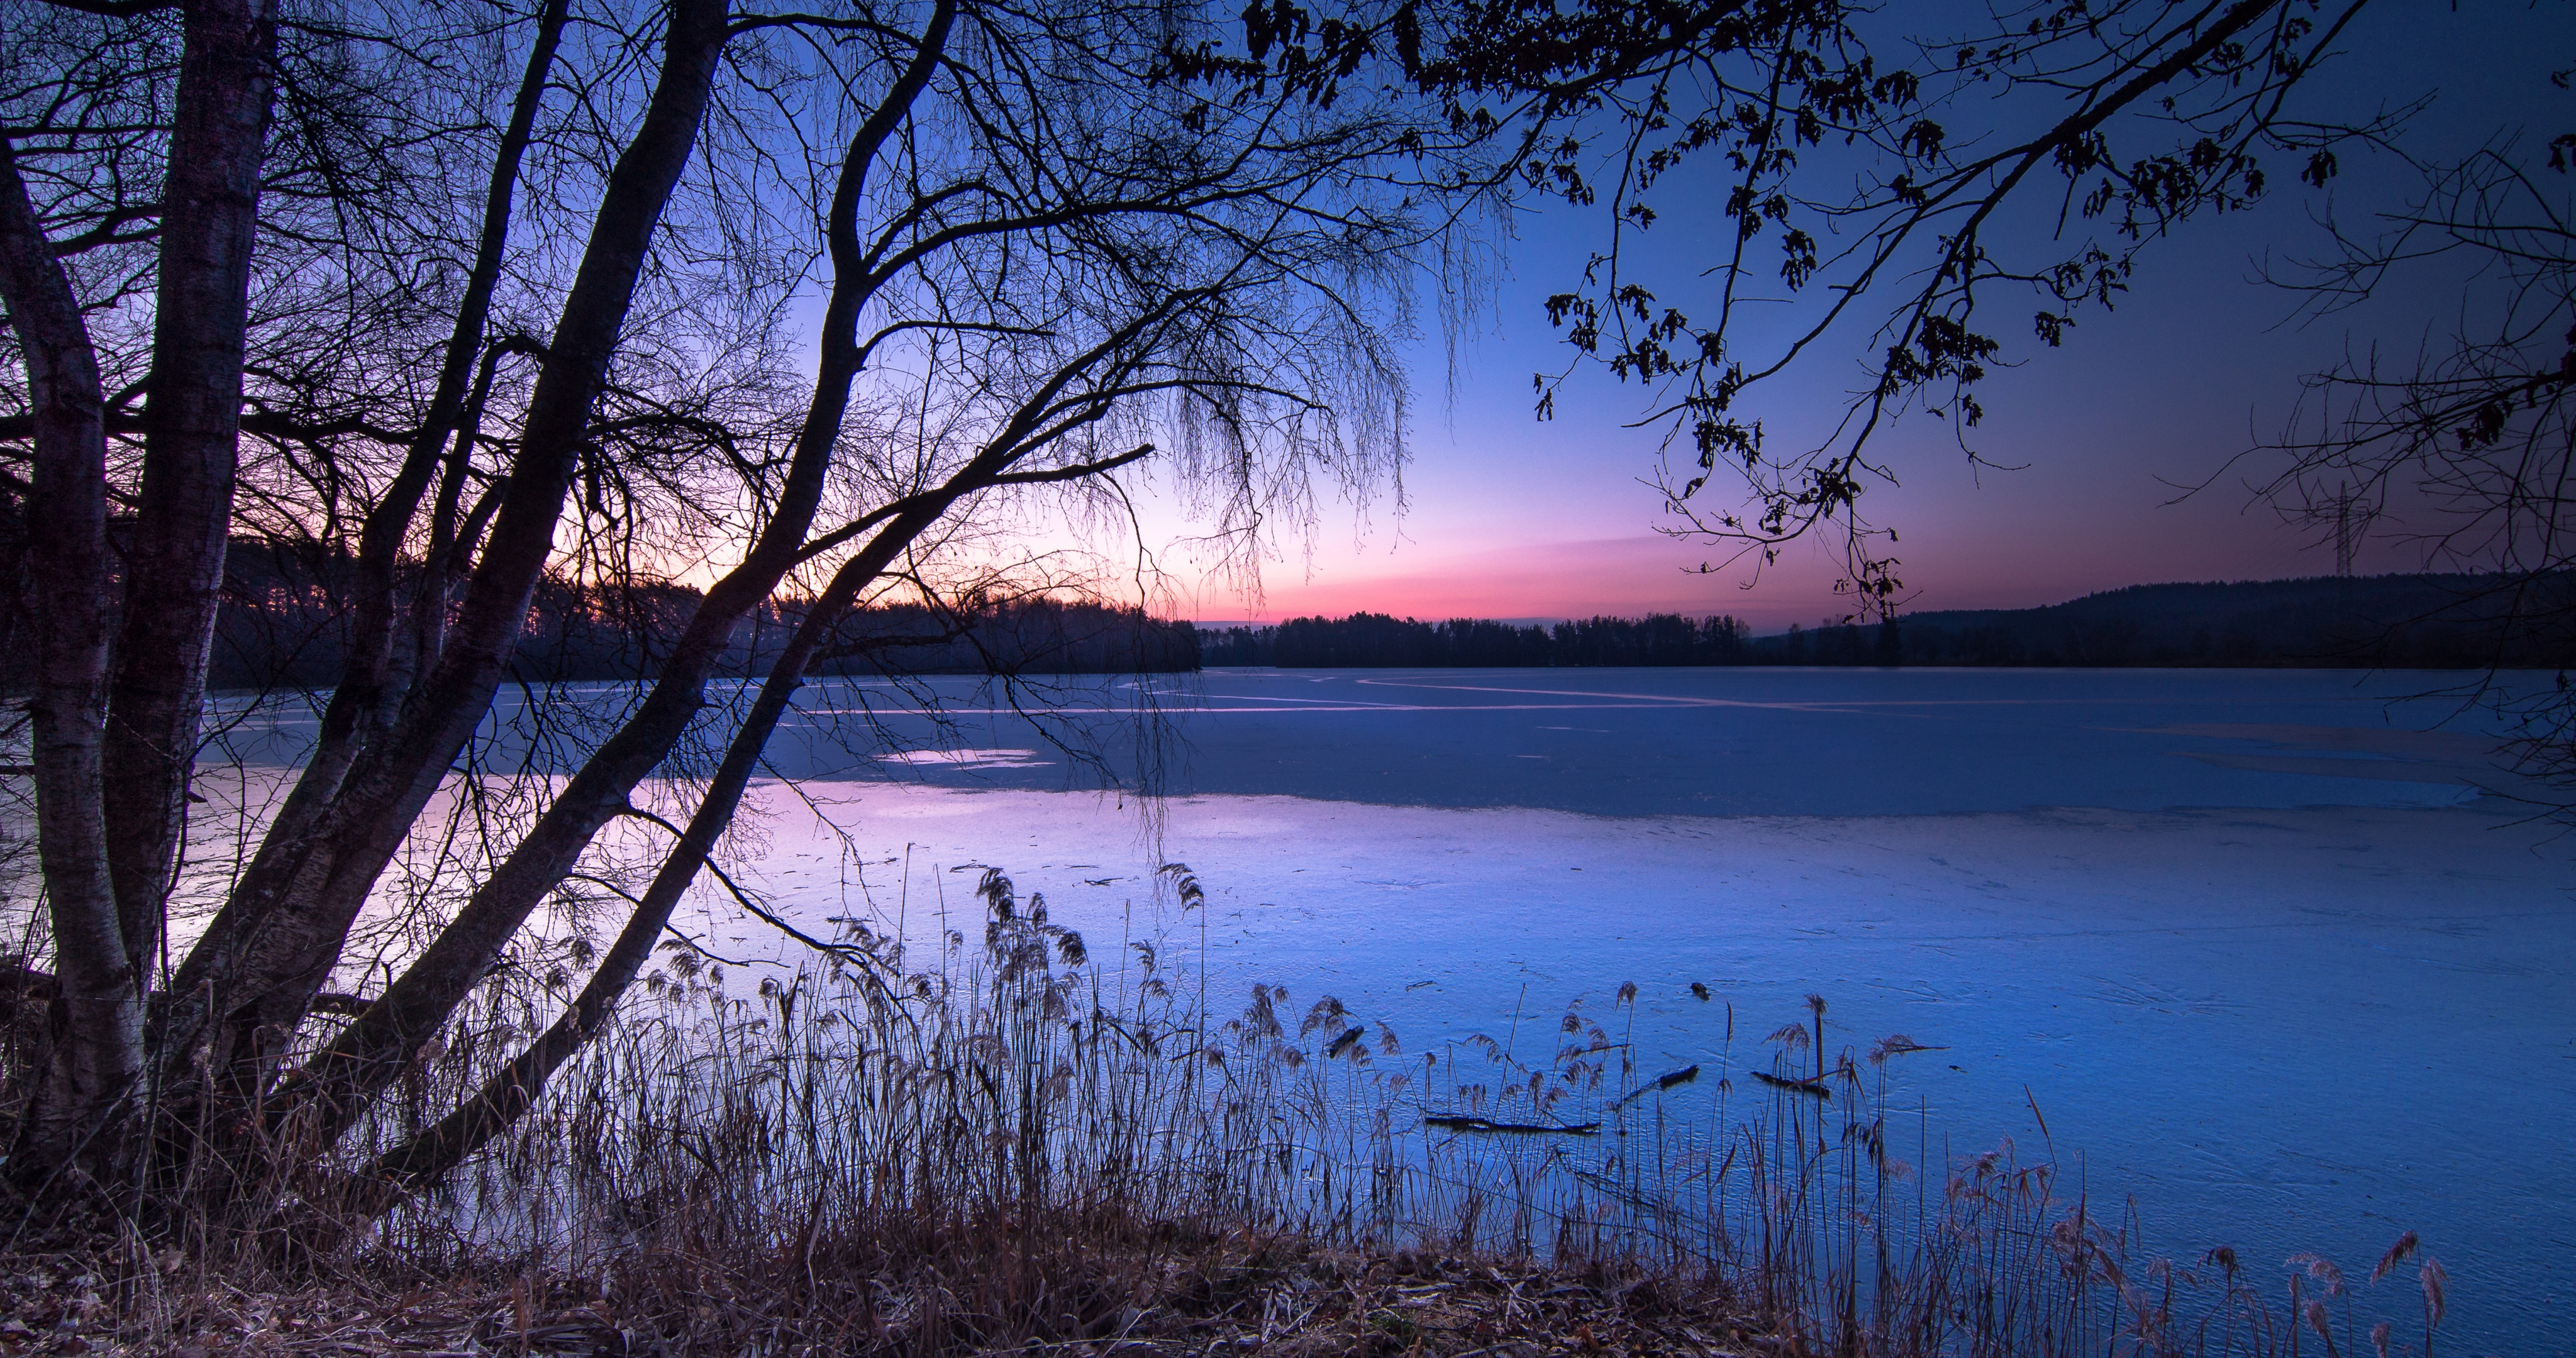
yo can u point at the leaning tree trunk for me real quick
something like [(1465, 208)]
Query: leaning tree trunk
[(96, 1024), (278, 935), (191, 440), (513, 1090), (329, 1093), (370, 689), (364, 1057)]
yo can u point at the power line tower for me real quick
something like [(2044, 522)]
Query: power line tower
[(2351, 514)]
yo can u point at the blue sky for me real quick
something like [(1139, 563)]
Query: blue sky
[(1505, 516)]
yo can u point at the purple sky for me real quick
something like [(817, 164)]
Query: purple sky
[(1509, 517)]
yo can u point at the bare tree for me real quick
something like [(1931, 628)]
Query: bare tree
[(1856, 192), (1036, 265), (97, 1026), (123, 780)]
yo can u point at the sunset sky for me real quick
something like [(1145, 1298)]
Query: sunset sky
[(1509, 517)]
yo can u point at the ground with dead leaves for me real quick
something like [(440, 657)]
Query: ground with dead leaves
[(1230, 1296)]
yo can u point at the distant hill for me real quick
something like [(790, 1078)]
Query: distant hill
[(2454, 621)]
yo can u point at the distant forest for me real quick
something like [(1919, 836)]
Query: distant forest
[(2386, 621), (284, 620), (1374, 640), (284, 623)]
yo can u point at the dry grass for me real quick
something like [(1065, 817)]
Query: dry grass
[(1280, 1297)]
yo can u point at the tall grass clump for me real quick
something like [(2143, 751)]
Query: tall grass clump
[(1019, 1144)]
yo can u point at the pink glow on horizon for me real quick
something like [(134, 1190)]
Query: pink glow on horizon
[(1630, 576), (1558, 579)]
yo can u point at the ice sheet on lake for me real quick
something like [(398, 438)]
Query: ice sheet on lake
[(2280, 1029), (1719, 742)]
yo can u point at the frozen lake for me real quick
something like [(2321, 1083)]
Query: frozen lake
[(2273, 957), (1750, 742), (2270, 956)]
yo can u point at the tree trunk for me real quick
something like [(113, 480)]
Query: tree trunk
[(175, 568), (278, 936), (366, 1055), (96, 1017), (371, 681), (515, 1088)]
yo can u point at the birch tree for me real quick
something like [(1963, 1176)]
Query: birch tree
[(1036, 263)]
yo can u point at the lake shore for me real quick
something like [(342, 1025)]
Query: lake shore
[(1242, 1293), (2205, 939)]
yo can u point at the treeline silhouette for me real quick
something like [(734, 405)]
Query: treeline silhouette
[(2408, 621), (2423, 621), (284, 620), (1034, 635), (1375, 640)]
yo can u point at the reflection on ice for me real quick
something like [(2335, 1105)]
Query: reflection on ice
[(963, 759)]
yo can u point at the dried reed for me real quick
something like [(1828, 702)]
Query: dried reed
[(1020, 1146)]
